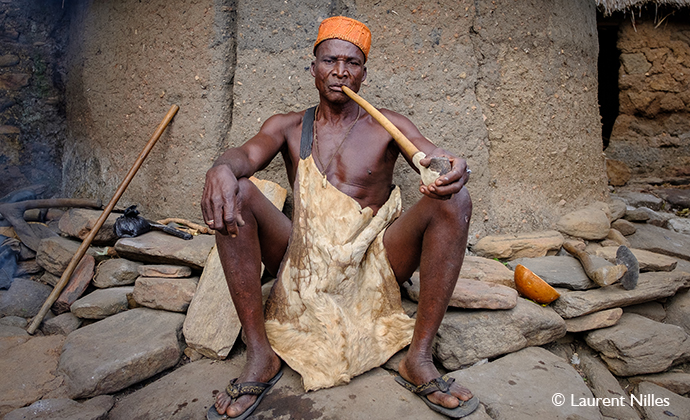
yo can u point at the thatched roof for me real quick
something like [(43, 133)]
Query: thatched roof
[(610, 6)]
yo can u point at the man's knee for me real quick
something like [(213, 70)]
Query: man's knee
[(457, 209)]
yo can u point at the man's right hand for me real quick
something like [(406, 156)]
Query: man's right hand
[(221, 203)]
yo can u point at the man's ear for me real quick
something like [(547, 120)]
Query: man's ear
[(365, 74), (311, 69)]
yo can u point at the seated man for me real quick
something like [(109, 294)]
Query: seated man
[(335, 309)]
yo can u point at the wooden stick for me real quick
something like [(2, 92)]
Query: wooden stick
[(106, 212)]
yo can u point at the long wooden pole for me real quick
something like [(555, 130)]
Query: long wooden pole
[(106, 212)]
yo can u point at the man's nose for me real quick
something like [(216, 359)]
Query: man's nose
[(339, 69)]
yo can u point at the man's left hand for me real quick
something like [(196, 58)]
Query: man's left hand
[(447, 184)]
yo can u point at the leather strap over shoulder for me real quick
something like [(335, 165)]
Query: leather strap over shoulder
[(307, 133)]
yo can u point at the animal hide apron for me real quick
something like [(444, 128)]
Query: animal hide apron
[(335, 310)]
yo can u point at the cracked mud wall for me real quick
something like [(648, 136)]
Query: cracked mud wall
[(510, 86)]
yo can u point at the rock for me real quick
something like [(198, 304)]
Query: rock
[(49, 278), (594, 321), (120, 350), (624, 227), (158, 247), (170, 294), (521, 386), (31, 364), (8, 60), (656, 218), (54, 254), (636, 215), (638, 345), (12, 331), (65, 409), (466, 337), (102, 303), (211, 311), (651, 286), (116, 272), (617, 172), (638, 199), (558, 271), (679, 225), (678, 310), (666, 405), (649, 261), (78, 223), (161, 270), (62, 324), (661, 241), (588, 223), (604, 385), (617, 238), (677, 382), (652, 310), (187, 393), (473, 294), (486, 270), (14, 321), (510, 247), (678, 198), (14, 81), (617, 208), (24, 298)]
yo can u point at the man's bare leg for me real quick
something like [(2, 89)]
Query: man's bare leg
[(263, 237), (432, 235)]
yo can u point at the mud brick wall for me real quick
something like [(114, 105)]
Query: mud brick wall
[(32, 110), (652, 132)]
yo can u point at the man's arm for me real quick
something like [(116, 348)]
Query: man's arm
[(221, 204), (447, 184)]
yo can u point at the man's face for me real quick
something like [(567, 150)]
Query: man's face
[(338, 63)]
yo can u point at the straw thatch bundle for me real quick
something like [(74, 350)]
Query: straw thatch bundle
[(610, 6)]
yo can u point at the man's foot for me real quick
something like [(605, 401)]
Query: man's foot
[(421, 371), (257, 369)]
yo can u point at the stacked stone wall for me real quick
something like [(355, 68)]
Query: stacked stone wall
[(32, 100), (652, 132)]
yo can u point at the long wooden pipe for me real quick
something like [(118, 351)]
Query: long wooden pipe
[(64, 279), (438, 166)]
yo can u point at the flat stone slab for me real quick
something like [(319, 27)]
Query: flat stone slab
[(466, 337), (678, 198), (120, 350), (165, 270), (522, 385), (676, 382), (102, 303), (189, 391), (78, 223), (170, 294), (589, 223), (161, 248), (55, 253), (527, 245), (679, 225), (486, 270), (650, 286), (667, 405), (662, 241), (116, 272), (637, 345), (649, 261), (472, 294), (61, 324), (678, 310), (638, 199), (594, 321), (28, 367), (558, 271), (24, 298), (614, 401), (652, 310), (210, 312), (64, 409)]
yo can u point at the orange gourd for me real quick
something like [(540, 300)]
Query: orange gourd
[(533, 287)]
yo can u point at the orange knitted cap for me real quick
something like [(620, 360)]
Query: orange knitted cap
[(347, 29)]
